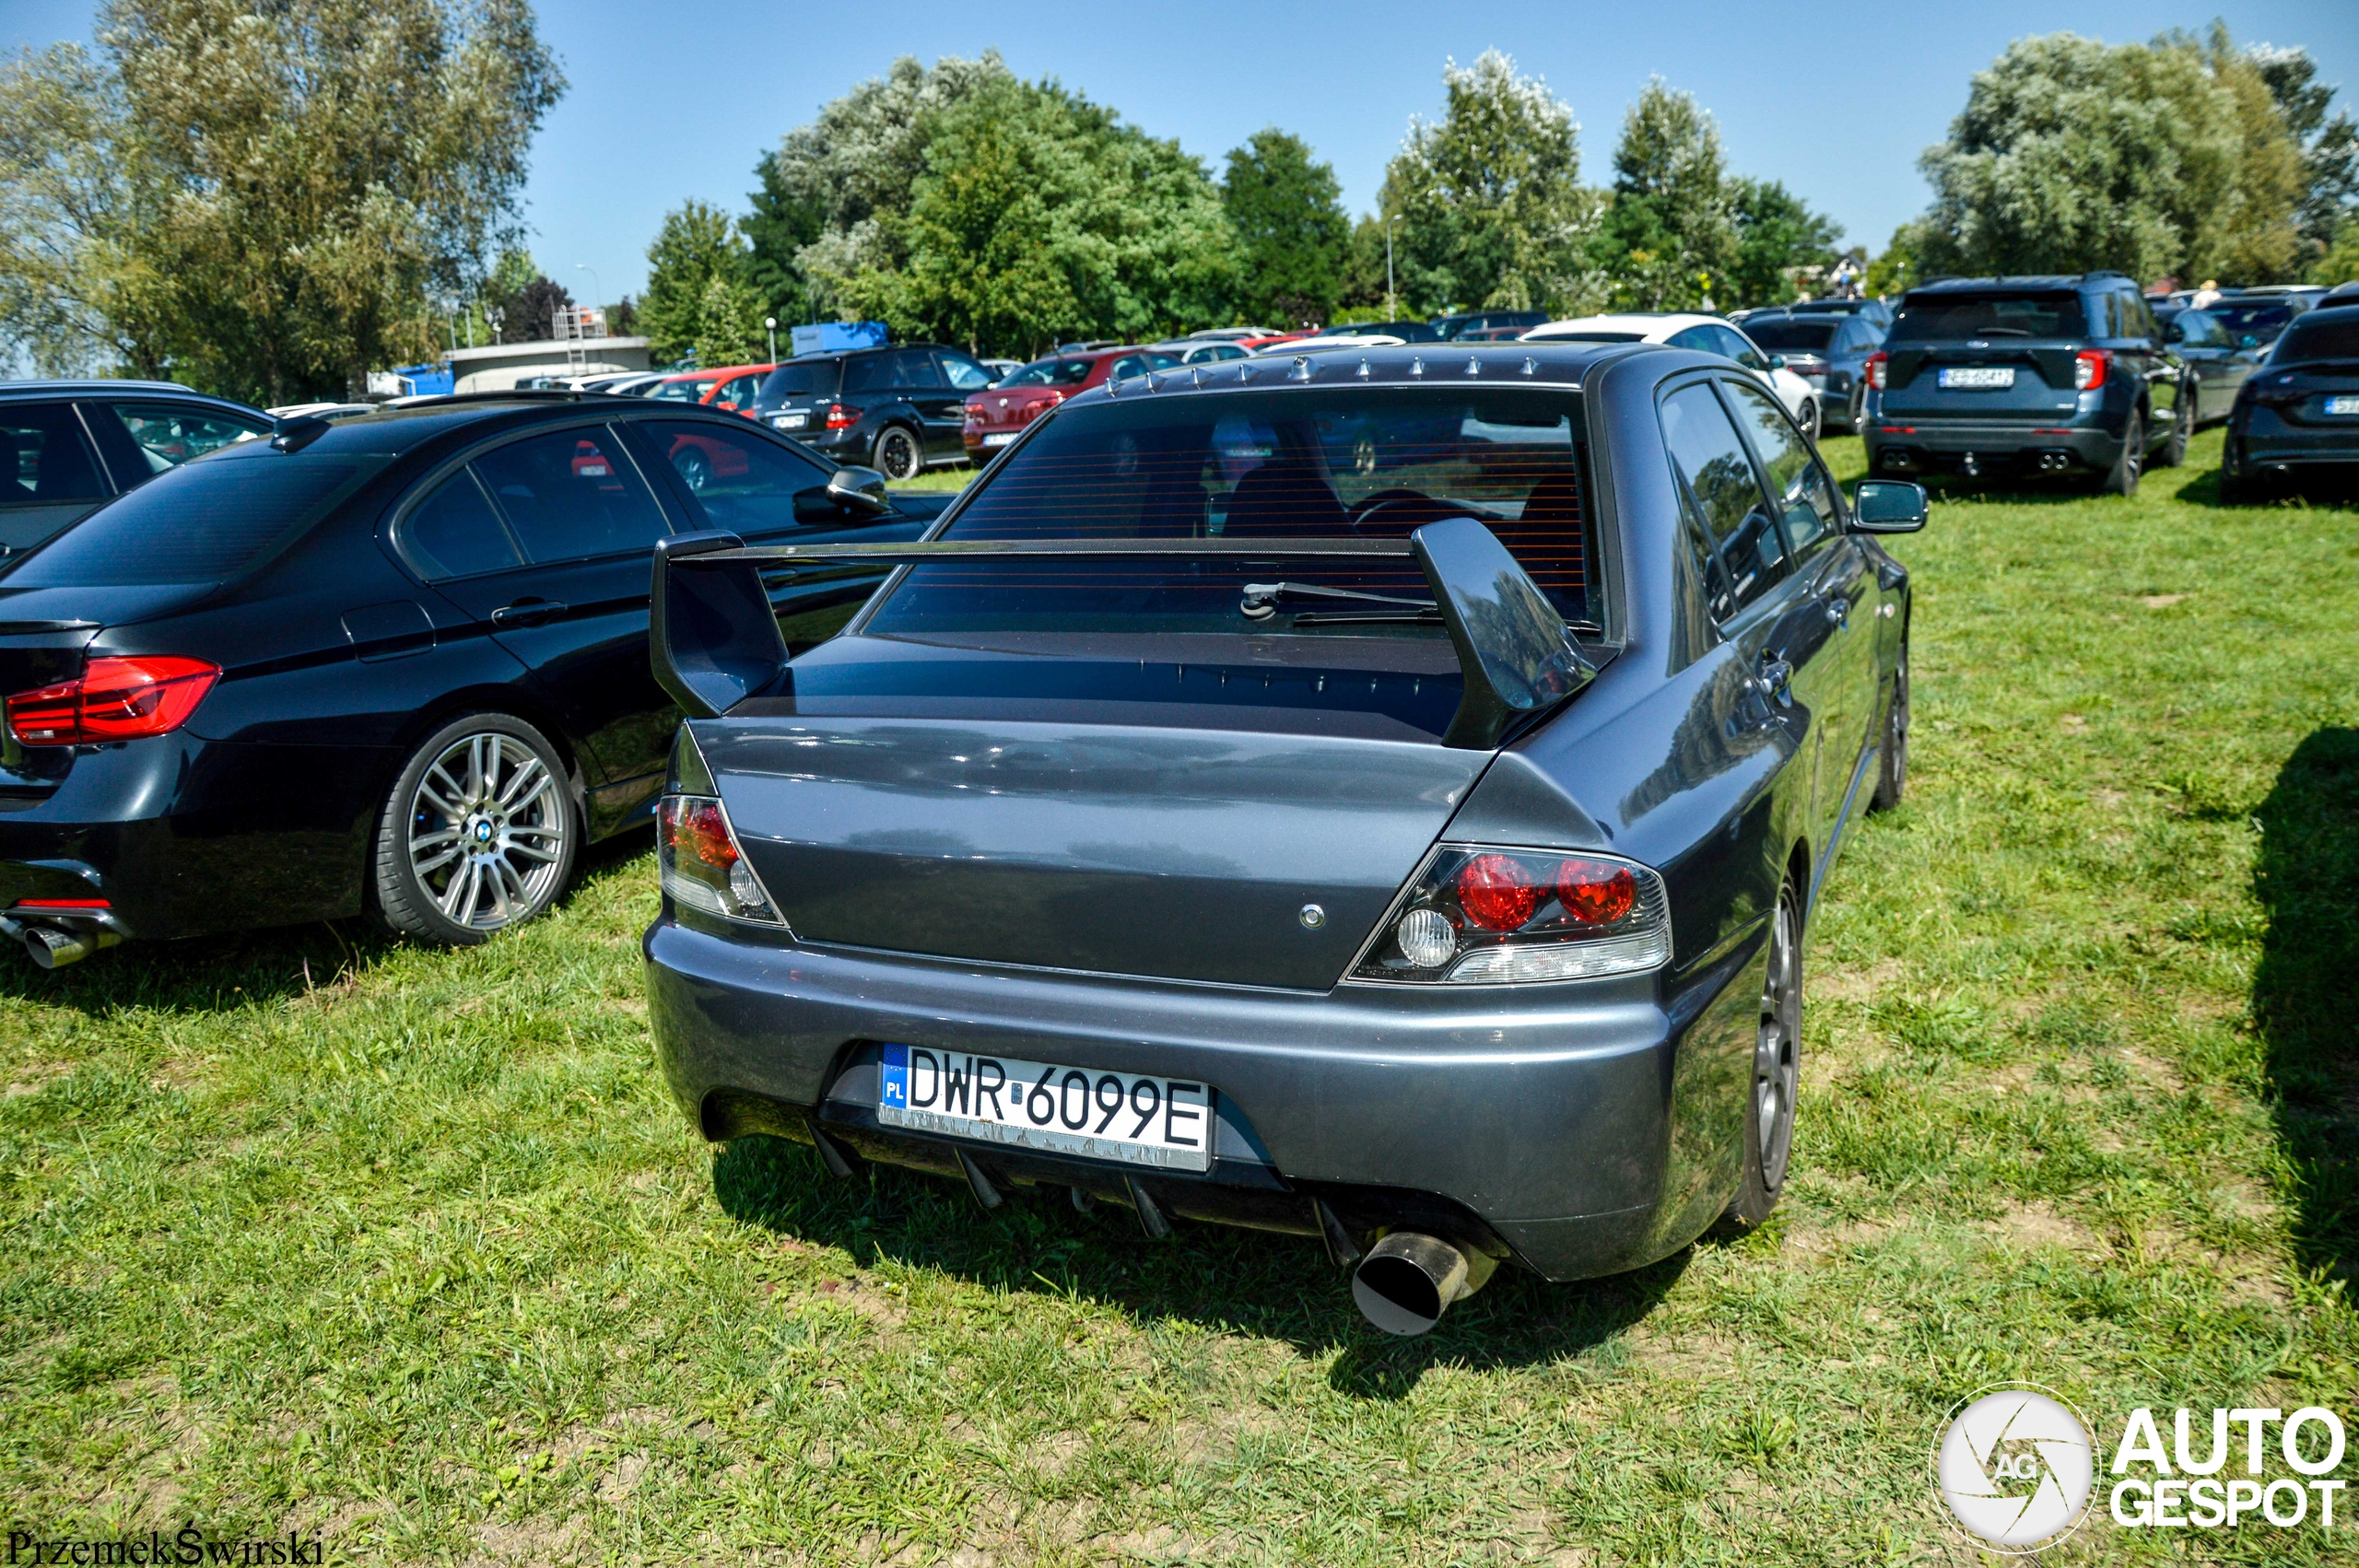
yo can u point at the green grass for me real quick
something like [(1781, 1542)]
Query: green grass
[(304, 1230)]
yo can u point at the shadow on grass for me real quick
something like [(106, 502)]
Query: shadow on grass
[(234, 969), (2306, 993), (1221, 1278)]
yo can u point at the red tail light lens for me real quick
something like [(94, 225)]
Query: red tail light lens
[(841, 418), (1497, 893), (1874, 369), (1595, 893), (1039, 407), (700, 866), (115, 699), (2088, 369)]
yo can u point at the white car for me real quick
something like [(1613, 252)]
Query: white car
[(1679, 329), (1333, 340)]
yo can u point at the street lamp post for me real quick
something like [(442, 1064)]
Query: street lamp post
[(595, 286), (771, 323)]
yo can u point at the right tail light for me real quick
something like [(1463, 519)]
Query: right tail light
[(2088, 369), (1875, 368), (114, 700), (1483, 915)]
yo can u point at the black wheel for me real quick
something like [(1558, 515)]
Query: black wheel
[(1777, 1073), (2174, 450), (2236, 489), (695, 468), (895, 454), (1892, 777), (2122, 478), (1859, 409), (1812, 422), (478, 834)]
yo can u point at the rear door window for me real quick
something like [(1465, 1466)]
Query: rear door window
[(455, 532), (168, 435), (43, 457), (1804, 495), (571, 495), (915, 368), (740, 481), (1747, 555), (868, 372)]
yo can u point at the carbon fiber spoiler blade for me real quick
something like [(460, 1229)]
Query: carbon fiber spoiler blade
[(714, 640)]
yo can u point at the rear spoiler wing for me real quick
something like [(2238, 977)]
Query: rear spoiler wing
[(714, 639)]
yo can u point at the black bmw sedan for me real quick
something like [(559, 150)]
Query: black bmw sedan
[(396, 664)]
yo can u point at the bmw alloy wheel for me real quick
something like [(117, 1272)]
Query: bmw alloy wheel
[(490, 832)]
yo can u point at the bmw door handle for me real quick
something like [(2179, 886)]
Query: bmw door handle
[(527, 613)]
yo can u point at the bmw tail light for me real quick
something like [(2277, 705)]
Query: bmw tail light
[(1875, 368), (1482, 916), (696, 854), (840, 418), (2088, 369), (114, 700)]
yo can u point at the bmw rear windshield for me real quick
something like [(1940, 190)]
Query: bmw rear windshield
[(1374, 463), (2028, 313), (212, 518)]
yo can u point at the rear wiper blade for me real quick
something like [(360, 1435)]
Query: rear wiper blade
[(1261, 599), (1365, 618)]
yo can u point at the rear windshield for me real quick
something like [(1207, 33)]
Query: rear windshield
[(200, 523), (1377, 464), (2311, 340), (1788, 336), (685, 391), (816, 378), (1944, 318), (2264, 322), (1051, 373)]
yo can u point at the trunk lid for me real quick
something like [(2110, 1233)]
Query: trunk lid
[(44, 631), (2042, 377), (1119, 805)]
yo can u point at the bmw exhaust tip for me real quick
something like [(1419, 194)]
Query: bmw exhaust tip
[(53, 948), (1408, 1280)]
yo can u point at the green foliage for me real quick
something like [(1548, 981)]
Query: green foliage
[(730, 328), (1492, 209), (776, 228), (2329, 144), (1902, 265), (1293, 239), (2341, 263), (263, 201), (1775, 235), (1669, 239), (697, 244)]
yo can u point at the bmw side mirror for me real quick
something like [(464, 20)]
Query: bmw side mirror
[(859, 490), (1888, 506)]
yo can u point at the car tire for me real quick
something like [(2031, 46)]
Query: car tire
[(1812, 422), (2121, 479), (492, 783), (694, 468), (2174, 450), (896, 454), (1892, 775), (1776, 1074), (1859, 415)]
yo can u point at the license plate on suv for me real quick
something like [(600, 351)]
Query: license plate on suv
[(1136, 1119), (2346, 404), (1978, 377), (792, 421)]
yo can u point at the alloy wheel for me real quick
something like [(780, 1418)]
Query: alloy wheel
[(896, 454), (696, 469), (488, 828), (1777, 1053)]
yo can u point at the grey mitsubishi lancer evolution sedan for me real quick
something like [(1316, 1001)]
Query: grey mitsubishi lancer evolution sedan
[(1378, 794)]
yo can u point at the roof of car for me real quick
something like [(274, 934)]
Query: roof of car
[(404, 424), (1645, 322), (98, 385), (1493, 365), (2026, 280)]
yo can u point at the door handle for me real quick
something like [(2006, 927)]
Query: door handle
[(527, 613)]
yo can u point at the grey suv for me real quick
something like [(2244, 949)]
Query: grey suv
[(2027, 375)]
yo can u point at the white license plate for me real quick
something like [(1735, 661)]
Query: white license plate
[(2343, 405), (1138, 1120), (1978, 377), (792, 421), (999, 438)]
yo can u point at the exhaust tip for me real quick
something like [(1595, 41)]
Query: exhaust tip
[(1407, 1280), (54, 949)]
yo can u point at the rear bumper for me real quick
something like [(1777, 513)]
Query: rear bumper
[(2262, 439), (1584, 1129), (1897, 444)]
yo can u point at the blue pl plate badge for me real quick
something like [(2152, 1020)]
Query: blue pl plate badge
[(896, 1090)]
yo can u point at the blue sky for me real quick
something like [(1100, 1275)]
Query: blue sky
[(676, 100)]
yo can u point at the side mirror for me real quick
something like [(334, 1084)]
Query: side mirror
[(1776, 361), (2248, 340), (1888, 506), (859, 490)]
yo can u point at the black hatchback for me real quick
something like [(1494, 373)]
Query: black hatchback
[(396, 664), (896, 410), (2027, 375)]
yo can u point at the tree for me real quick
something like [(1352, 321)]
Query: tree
[(2071, 156), (729, 323), (287, 187), (1775, 233), (1293, 242), (1670, 237), (780, 224), (529, 315), (2329, 146), (698, 243), (1491, 205)]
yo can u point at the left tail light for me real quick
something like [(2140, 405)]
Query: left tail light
[(1875, 368), (112, 699), (697, 853), (1480, 915)]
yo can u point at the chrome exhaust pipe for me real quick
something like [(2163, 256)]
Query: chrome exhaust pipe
[(1408, 1280), (53, 948)]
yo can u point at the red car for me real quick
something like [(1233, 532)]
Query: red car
[(729, 387), (998, 414)]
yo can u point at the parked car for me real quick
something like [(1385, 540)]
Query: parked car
[(1707, 335), (1201, 351), (1407, 332), (1319, 862), (2258, 314), (2342, 293), (67, 447), (996, 416), (729, 388), (2051, 375), (1827, 348), (395, 664), (688, 386), (2217, 364), (999, 369), (896, 410), (1873, 309), (1448, 328), (2298, 414), (324, 410)]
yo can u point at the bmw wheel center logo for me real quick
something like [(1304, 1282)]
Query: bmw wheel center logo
[(2016, 1464)]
